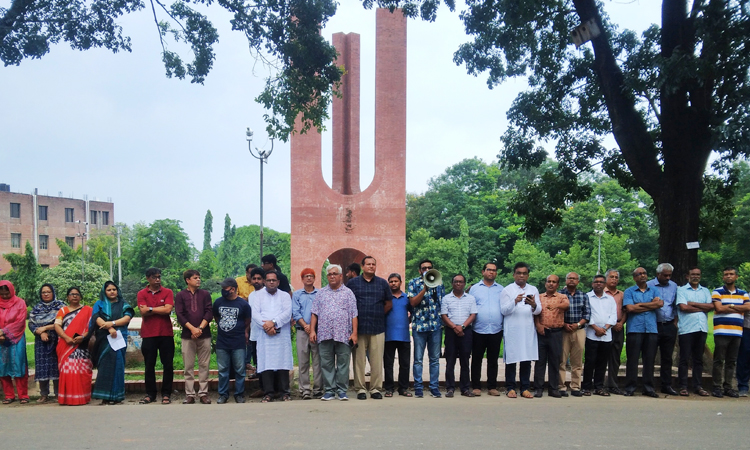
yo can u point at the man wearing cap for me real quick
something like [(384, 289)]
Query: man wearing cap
[(272, 313), (301, 304), (232, 315)]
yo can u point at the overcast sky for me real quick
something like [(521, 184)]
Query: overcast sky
[(112, 126)]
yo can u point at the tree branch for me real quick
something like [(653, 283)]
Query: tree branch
[(156, 21), (16, 11)]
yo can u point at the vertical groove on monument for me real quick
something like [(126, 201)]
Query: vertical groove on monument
[(346, 113), (341, 222)]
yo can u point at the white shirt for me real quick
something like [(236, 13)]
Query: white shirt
[(603, 312)]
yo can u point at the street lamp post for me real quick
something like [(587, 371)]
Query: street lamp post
[(83, 250), (262, 156)]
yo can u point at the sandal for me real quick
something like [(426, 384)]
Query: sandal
[(145, 400), (42, 399), (23, 401), (586, 393), (685, 393), (166, 400), (406, 394), (601, 392), (9, 400), (511, 394), (702, 392), (389, 393), (267, 399), (527, 394), (286, 398)]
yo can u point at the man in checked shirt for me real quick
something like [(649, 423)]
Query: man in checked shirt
[(574, 334)]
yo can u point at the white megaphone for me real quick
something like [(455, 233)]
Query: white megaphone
[(432, 278)]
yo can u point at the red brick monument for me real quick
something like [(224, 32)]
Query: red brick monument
[(341, 223)]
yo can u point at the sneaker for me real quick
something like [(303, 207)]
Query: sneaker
[(328, 396), (222, 399), (717, 393), (743, 393), (239, 399), (361, 396), (731, 393), (377, 395), (435, 393), (418, 393), (343, 397), (318, 395)]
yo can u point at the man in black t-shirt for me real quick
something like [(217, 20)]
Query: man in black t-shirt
[(232, 315)]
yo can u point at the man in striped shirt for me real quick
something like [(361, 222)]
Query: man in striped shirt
[(730, 304), (458, 311)]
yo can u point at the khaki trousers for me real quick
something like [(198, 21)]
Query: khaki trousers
[(305, 349), (573, 345), (201, 347), (374, 345)]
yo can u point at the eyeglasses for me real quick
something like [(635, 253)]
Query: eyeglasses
[(271, 281), (425, 268), (333, 274), (74, 295)]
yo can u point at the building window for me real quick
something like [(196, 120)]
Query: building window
[(69, 215), (105, 217), (93, 217), (43, 242), (15, 240), (70, 241), (42, 212), (15, 210), (45, 266)]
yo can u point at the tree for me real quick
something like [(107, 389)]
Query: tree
[(208, 228), (68, 274), (450, 256), (669, 97), (24, 274), (284, 35), (163, 244)]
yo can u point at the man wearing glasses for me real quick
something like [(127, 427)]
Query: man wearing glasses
[(487, 333), (641, 302), (333, 326), (426, 329)]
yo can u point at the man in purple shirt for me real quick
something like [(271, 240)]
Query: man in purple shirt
[(333, 326), (193, 308)]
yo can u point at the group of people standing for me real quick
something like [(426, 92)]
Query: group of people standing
[(361, 317), (70, 340)]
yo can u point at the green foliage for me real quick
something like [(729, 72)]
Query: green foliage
[(448, 255), (208, 228), (241, 246), (163, 244), (24, 274), (68, 274)]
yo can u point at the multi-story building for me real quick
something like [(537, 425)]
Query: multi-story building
[(42, 219)]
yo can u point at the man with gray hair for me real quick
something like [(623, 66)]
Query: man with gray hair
[(666, 322), (612, 278), (333, 325)]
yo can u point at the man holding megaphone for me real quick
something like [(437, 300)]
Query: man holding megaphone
[(425, 294)]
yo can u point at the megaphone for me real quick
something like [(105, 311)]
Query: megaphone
[(432, 278)]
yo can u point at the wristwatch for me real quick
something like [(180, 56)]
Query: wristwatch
[(463, 327), (150, 309), (581, 325)]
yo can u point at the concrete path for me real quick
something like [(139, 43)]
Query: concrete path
[(463, 423)]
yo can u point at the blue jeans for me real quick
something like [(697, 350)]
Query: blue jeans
[(743, 361), (235, 359), (433, 341)]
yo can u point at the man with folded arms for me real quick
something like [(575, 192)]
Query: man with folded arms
[(487, 330), (641, 302), (458, 311), (301, 305), (549, 327), (693, 305)]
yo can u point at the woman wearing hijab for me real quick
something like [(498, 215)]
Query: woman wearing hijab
[(13, 364), (72, 325), (42, 324), (112, 314)]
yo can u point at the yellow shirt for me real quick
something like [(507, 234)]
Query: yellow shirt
[(244, 288)]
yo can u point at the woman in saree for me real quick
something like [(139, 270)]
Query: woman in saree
[(111, 314), (72, 326), (42, 324), (13, 364)]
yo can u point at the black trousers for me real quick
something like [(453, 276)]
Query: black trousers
[(482, 343), (595, 369), (457, 346), (164, 347), (666, 340), (275, 382), (525, 375), (640, 344), (404, 364), (550, 353), (691, 347), (613, 366)]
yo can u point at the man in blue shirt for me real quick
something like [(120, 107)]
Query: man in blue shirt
[(641, 302), (373, 300), (666, 323), (426, 329), (301, 304), (487, 330), (397, 339), (693, 303)]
